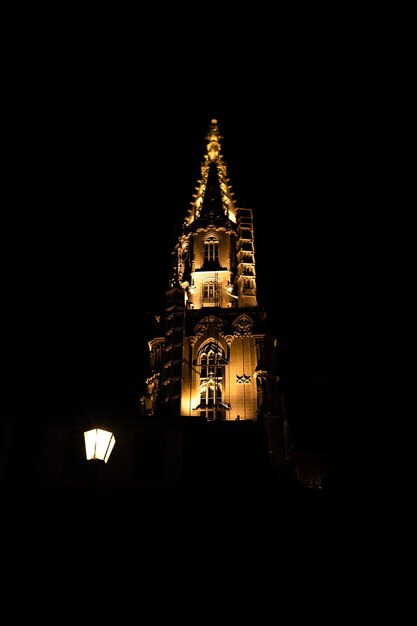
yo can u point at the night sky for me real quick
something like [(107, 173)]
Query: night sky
[(105, 109)]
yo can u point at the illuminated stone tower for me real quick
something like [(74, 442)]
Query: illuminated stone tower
[(214, 359)]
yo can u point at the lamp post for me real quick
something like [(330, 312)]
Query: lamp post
[(99, 444)]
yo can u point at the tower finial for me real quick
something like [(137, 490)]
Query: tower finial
[(213, 137)]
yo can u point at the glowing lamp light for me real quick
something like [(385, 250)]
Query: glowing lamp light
[(98, 444)]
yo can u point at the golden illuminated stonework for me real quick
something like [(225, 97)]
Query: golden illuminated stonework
[(215, 341)]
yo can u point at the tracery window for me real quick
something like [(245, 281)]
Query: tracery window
[(211, 250), (211, 381)]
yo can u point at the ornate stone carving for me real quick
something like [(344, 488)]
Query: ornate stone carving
[(205, 323), (244, 379), (229, 339), (242, 326), (261, 377)]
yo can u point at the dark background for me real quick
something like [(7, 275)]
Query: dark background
[(105, 109)]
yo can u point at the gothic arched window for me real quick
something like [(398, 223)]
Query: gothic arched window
[(211, 250), (210, 359), (211, 292)]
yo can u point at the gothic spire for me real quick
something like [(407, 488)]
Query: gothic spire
[(214, 197)]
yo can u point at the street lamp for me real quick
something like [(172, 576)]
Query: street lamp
[(98, 444)]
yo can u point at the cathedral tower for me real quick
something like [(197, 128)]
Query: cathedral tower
[(214, 358)]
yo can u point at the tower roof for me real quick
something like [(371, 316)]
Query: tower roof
[(214, 198)]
